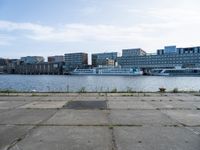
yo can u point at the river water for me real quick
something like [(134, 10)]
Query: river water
[(62, 83)]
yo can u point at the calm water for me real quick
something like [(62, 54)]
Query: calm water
[(46, 83)]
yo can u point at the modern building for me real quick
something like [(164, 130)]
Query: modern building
[(76, 60), (160, 51), (8, 65), (53, 59), (103, 59), (3, 64), (167, 50), (133, 52), (170, 49), (188, 50), (10, 68), (169, 57), (32, 59)]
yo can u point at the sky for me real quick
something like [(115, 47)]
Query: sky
[(56, 27)]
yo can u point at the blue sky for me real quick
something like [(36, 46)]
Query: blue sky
[(53, 27)]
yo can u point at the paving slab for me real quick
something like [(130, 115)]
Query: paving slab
[(197, 105), (3, 110), (79, 117), (183, 105), (89, 98), (45, 105), (141, 98), (155, 138), (124, 98), (197, 130), (140, 117), (19, 98), (57, 98), (158, 98), (67, 138), (173, 105), (86, 105), (25, 116), (134, 94), (188, 98), (129, 105), (160, 105), (89, 94), (11, 104), (186, 117), (10, 134)]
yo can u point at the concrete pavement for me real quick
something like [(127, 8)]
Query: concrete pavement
[(93, 121)]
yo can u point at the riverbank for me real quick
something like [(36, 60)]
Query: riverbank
[(160, 92), (102, 121)]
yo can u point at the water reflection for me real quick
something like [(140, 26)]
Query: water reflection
[(47, 83)]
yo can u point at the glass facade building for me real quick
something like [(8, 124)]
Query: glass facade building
[(184, 57), (76, 60)]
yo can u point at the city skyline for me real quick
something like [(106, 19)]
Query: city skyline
[(50, 28)]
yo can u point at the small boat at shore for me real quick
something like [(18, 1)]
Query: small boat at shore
[(108, 71), (176, 72)]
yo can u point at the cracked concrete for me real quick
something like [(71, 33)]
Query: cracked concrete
[(139, 121)]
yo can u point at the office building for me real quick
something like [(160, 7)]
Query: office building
[(133, 52), (53, 59), (103, 59), (169, 57), (170, 49), (188, 50), (76, 60), (8, 65), (3, 63), (167, 50)]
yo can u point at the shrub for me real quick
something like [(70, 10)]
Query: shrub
[(162, 90), (114, 90), (82, 90), (129, 90), (175, 90)]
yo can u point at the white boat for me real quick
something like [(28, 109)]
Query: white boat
[(120, 71), (83, 72), (176, 72), (109, 71)]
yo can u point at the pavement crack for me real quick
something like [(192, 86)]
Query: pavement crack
[(16, 141), (114, 144)]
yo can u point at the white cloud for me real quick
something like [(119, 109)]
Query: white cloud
[(176, 15), (35, 28), (145, 35), (75, 32), (169, 15)]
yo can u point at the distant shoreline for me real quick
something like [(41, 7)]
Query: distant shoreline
[(15, 93)]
